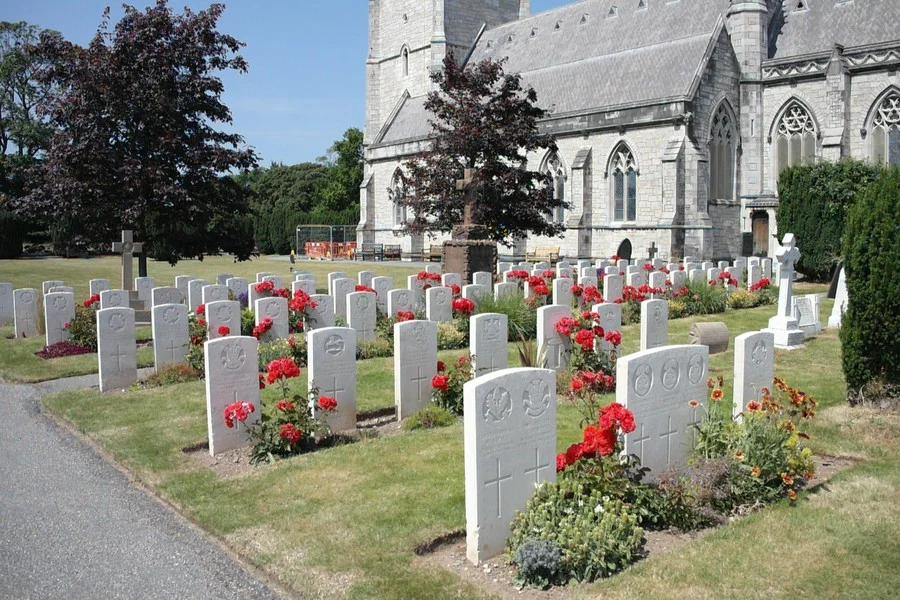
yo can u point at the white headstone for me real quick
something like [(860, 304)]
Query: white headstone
[(510, 449), (589, 281), (475, 292), (417, 287), (657, 386), (678, 278), (783, 324), (552, 347), (503, 267), (562, 292), (7, 312), (98, 285), (483, 278), (59, 309), (62, 289), (223, 312), (766, 264), (754, 367), (400, 300), (214, 293), (276, 309), (415, 364), (260, 277), (341, 287), (506, 288), (698, 276), (231, 376), (654, 324), (181, 282), (449, 279), (253, 294), (275, 280), (323, 314), (171, 333), (165, 295), (439, 304), (837, 312), (144, 287), (361, 314), (723, 264), (754, 274), (305, 285), (195, 293), (432, 268), (25, 313), (611, 270), (382, 285), (713, 275), (116, 348), (365, 278), (658, 282), (46, 285), (610, 320), (707, 265), (332, 370), (622, 265), (303, 275), (113, 299), (806, 311), (612, 288), (488, 333), (239, 286), (331, 277)]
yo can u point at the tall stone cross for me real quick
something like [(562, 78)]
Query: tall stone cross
[(652, 250), (127, 247), (787, 256), (469, 230)]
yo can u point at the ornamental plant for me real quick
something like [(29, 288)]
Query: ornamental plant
[(83, 328), (300, 308), (430, 279), (584, 335), (60, 349), (447, 385)]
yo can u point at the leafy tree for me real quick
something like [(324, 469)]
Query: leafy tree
[(483, 120), (137, 144), (345, 164)]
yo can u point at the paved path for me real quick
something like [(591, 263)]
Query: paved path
[(72, 527)]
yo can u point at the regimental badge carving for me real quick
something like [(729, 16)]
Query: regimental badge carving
[(334, 345), (610, 315), (441, 296), (658, 313), (233, 357), (492, 329), (403, 299), (115, 299), (670, 374), (497, 405), (695, 369), (759, 353), (171, 315), (419, 333), (273, 310), (60, 302), (536, 398), (117, 321), (643, 380), (362, 303), (26, 297), (223, 313)]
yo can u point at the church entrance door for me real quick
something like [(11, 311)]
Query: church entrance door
[(760, 223), (624, 251)]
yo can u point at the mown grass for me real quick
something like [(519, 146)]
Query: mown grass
[(344, 521)]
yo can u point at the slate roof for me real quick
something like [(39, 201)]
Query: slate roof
[(826, 22)]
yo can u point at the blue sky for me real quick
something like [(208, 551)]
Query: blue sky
[(306, 83)]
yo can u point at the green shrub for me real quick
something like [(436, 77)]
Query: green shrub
[(870, 330), (248, 322), (596, 536), (521, 317), (813, 202), (448, 384), (377, 348), (430, 417), (451, 338), (538, 562), (12, 234), (83, 328), (170, 375), (293, 348)]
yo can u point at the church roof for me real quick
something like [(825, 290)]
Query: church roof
[(819, 24)]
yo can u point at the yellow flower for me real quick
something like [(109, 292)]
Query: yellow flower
[(739, 456), (693, 404), (755, 471)]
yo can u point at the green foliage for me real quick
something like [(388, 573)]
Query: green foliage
[(450, 337), (870, 326), (522, 317), (12, 234), (813, 201), (596, 536), (271, 442), (744, 298), (449, 391), (293, 348), (83, 328), (377, 348), (430, 417), (539, 562), (171, 374), (248, 322)]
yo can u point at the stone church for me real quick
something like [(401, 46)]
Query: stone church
[(673, 117)]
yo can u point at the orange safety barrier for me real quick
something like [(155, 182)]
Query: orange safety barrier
[(323, 250)]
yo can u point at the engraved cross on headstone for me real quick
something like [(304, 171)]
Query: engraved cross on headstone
[(335, 390), (498, 481), (639, 442), (668, 437), (418, 380), (537, 468), (119, 355), (127, 248), (172, 347)]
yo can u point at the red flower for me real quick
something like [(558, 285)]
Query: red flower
[(224, 330), (290, 433), (565, 325), (754, 406), (615, 415), (713, 283), (327, 403), (238, 412), (541, 290), (462, 361), (592, 295), (201, 322), (282, 293), (282, 368), (576, 290), (585, 338), (517, 275), (549, 274), (196, 340), (647, 267), (561, 463), (576, 384), (364, 288), (264, 286), (262, 382), (455, 289), (405, 315), (681, 267), (441, 366), (463, 306), (201, 309), (92, 300), (613, 337), (285, 406), (599, 440), (573, 453), (439, 382), (615, 257), (666, 270)]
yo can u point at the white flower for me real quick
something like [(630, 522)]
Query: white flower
[(599, 509)]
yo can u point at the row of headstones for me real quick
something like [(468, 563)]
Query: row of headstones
[(510, 425)]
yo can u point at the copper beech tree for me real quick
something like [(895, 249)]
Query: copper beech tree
[(137, 114), (483, 121)]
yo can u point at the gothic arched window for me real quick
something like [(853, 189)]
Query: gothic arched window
[(556, 185), (886, 130), (795, 137), (722, 136), (398, 192), (624, 175), (404, 61)]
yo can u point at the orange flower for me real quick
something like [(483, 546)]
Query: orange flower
[(717, 395), (787, 479), (755, 471), (739, 456), (693, 404), (803, 435), (754, 406), (792, 495), (710, 383), (807, 475)]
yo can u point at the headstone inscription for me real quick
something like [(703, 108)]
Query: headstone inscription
[(165, 295), (331, 277), (562, 292), (488, 333), (415, 364), (113, 299), (510, 448), (144, 287), (365, 278), (399, 301), (677, 277), (754, 367), (506, 288), (657, 386), (450, 279), (475, 292), (332, 371), (25, 313), (361, 314), (438, 304), (483, 278), (806, 311), (612, 288), (116, 348), (654, 324), (223, 313), (275, 309), (341, 287), (171, 334), (231, 376), (382, 285), (59, 310), (553, 347)]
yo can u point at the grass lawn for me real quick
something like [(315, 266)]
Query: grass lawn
[(344, 521)]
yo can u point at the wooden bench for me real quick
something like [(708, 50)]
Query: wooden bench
[(543, 254), (371, 252), (392, 252), (433, 254)]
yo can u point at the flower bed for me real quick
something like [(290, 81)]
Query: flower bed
[(61, 349)]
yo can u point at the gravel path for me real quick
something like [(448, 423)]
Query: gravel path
[(71, 525)]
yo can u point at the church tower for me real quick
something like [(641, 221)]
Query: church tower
[(409, 38)]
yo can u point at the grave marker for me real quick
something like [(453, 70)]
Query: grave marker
[(399, 300), (553, 347), (610, 320), (562, 292), (165, 295), (449, 279), (365, 278), (223, 312), (332, 369), (59, 310), (612, 288), (475, 292), (98, 285), (507, 288), (837, 312), (785, 327), (7, 312), (195, 293), (239, 286), (417, 287), (331, 277), (144, 287), (654, 324), (361, 314), (483, 278), (231, 376), (25, 312), (340, 288), (415, 364), (214, 293), (806, 311), (127, 248), (754, 367), (116, 348), (438, 304), (171, 334), (46, 285), (305, 285), (488, 333), (276, 309), (382, 286), (323, 314), (113, 299)]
